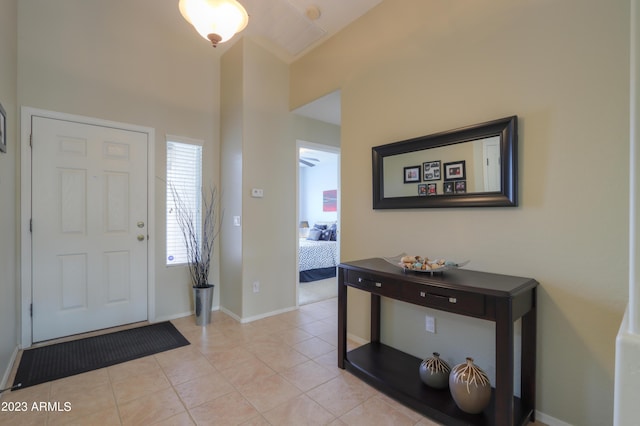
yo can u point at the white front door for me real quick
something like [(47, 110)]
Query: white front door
[(491, 164), (89, 227)]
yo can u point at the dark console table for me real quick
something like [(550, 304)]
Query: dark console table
[(499, 298)]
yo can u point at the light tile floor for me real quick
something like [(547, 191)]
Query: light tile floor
[(279, 370)]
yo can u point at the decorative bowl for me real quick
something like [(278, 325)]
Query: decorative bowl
[(433, 266)]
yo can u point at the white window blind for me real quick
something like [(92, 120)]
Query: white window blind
[(184, 174)]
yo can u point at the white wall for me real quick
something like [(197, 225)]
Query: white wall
[(120, 62), (627, 368), (9, 248), (313, 182), (410, 68)]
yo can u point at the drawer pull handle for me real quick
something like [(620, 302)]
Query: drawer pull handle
[(451, 299), (362, 280)]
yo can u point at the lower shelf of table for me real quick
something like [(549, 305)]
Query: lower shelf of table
[(396, 374)]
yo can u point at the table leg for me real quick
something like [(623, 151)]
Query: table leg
[(504, 363), (528, 360), (342, 318), (375, 318)]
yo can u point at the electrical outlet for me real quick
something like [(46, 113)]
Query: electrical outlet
[(257, 192), (430, 324), (256, 286)]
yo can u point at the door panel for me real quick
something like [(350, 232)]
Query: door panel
[(491, 164), (89, 194)]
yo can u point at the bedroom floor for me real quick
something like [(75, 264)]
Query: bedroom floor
[(317, 291)]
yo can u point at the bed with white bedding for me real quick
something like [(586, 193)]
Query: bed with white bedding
[(317, 260)]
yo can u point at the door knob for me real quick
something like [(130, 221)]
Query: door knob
[(140, 224), (140, 237)]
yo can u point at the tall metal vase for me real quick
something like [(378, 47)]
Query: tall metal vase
[(203, 300)]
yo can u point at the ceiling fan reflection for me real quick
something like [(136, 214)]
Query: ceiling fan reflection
[(308, 161)]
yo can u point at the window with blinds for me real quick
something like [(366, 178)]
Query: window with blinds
[(184, 176)]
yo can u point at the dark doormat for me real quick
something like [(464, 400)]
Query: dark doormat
[(47, 363)]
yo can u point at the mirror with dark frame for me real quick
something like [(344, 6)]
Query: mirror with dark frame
[(474, 166)]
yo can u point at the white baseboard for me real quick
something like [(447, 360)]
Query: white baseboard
[(7, 372), (548, 420), (180, 315), (231, 314), (359, 340), (257, 317), (228, 312)]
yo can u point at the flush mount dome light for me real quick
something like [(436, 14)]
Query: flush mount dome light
[(215, 20)]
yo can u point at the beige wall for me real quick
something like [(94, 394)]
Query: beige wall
[(412, 68), (231, 130), (148, 74), (406, 69), (314, 131), (117, 61), (258, 148), (269, 163), (259, 151), (9, 301)]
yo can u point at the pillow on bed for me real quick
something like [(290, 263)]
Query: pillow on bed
[(314, 234), (334, 232), (326, 235), (321, 227)]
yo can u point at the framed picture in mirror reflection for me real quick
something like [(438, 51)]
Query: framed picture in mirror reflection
[(431, 170), (454, 170), (412, 174), (448, 187)]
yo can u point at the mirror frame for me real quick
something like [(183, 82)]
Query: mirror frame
[(506, 128)]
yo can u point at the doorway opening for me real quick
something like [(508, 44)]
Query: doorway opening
[(318, 199), (318, 221)]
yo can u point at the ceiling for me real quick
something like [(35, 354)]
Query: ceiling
[(288, 29), (293, 27)]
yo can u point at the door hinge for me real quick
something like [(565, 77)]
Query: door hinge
[(30, 225), (31, 140), (31, 310)]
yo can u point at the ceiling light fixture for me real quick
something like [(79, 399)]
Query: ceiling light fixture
[(215, 20)]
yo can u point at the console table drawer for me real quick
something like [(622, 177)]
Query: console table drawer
[(449, 300), (373, 284)]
